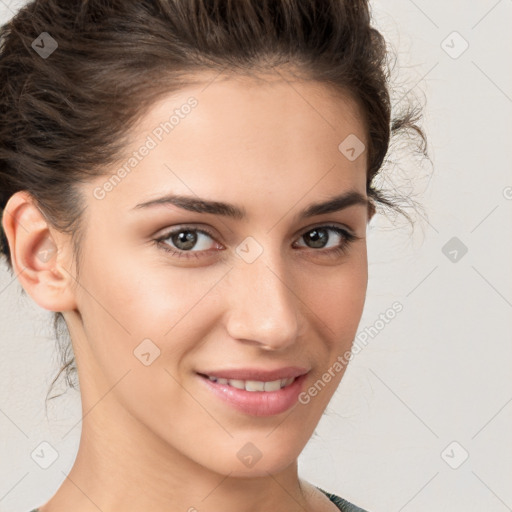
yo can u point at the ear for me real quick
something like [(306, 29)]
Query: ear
[(41, 257)]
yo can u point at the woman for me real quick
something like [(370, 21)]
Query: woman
[(188, 183)]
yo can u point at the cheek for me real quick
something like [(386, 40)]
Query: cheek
[(127, 300), (338, 296)]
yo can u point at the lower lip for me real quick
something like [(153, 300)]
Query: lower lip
[(258, 403)]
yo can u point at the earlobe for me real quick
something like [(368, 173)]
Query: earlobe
[(36, 257)]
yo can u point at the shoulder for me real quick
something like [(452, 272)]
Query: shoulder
[(342, 504)]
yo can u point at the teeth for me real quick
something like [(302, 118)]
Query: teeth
[(254, 385), (275, 385), (239, 384)]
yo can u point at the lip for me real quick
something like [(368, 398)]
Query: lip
[(258, 374), (257, 403)]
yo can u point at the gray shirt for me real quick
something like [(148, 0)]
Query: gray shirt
[(341, 503)]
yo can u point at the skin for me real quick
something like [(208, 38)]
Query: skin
[(153, 437)]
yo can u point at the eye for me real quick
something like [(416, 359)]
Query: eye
[(319, 238), (184, 239)]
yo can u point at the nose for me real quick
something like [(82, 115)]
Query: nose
[(263, 304)]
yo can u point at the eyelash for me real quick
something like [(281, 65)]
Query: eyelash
[(334, 251)]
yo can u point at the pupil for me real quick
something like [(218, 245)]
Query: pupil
[(317, 237), (187, 237)]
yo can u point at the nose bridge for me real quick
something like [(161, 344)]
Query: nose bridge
[(263, 307)]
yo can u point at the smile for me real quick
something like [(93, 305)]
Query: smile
[(256, 397), (254, 385)]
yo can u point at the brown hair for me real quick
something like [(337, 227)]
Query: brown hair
[(64, 117)]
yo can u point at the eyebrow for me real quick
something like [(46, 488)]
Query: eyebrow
[(199, 205)]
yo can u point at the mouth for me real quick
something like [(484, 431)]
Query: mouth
[(252, 385), (267, 397)]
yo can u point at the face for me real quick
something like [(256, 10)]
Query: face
[(171, 292)]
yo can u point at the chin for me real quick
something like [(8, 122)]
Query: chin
[(251, 460)]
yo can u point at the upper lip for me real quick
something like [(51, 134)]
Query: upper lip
[(257, 374)]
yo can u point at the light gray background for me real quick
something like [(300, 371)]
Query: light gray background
[(439, 372)]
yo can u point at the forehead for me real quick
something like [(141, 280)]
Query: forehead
[(242, 135), (252, 102)]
